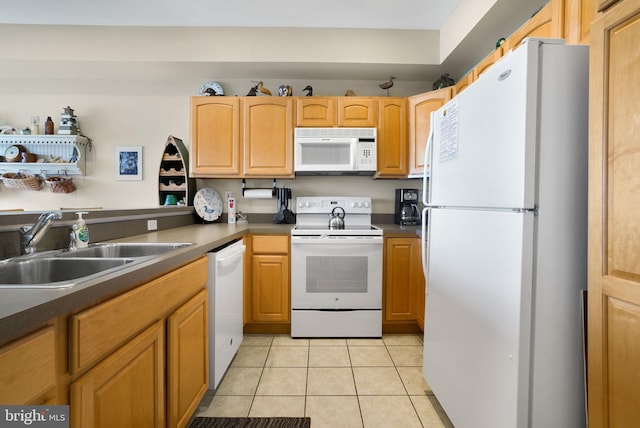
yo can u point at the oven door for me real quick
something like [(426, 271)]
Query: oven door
[(336, 272)]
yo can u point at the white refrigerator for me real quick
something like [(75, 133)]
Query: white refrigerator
[(505, 250)]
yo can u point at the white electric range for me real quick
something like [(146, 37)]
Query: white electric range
[(336, 274)]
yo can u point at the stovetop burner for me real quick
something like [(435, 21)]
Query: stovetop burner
[(313, 215)]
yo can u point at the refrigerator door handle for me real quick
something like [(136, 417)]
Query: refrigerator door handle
[(427, 162), (425, 248)]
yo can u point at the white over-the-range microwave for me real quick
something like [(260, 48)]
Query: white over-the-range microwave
[(335, 151)]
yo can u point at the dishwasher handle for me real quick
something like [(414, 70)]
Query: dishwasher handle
[(231, 258)]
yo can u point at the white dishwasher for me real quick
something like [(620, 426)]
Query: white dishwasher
[(225, 303)]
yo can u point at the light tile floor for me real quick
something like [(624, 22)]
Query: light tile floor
[(337, 382)]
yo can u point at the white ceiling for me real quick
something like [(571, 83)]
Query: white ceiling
[(377, 14)]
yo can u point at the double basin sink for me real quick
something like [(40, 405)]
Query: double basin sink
[(66, 268)]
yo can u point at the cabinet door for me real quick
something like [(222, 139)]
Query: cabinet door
[(614, 232), (126, 389), (392, 139), (404, 282), (316, 111), (487, 62), (267, 136), (547, 23), (579, 15), (187, 359), (353, 111), (270, 288), (215, 136), (28, 368), (270, 294), (420, 108), (462, 84), (604, 4)]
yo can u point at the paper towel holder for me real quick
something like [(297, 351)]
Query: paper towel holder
[(273, 188)]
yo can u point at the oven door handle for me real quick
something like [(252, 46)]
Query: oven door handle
[(335, 240)]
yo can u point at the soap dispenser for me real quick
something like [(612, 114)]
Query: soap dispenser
[(80, 231)]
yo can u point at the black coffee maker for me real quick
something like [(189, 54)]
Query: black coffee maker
[(407, 211)]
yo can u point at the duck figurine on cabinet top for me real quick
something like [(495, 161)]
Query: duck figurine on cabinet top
[(388, 84), (259, 87), (309, 90)]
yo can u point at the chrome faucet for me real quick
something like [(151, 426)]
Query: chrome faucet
[(31, 235)]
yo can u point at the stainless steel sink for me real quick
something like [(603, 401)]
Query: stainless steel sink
[(53, 272), (66, 268), (123, 250)]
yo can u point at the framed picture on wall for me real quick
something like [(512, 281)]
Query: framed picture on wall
[(129, 162)]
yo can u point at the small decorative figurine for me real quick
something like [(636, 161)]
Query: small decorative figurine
[(388, 84), (285, 91), (443, 82), (254, 90), (349, 93), (309, 90)]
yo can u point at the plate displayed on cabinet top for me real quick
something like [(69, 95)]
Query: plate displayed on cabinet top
[(208, 204), (211, 88)]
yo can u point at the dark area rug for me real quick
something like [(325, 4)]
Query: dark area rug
[(204, 422)]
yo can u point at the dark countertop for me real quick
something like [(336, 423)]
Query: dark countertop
[(23, 310)]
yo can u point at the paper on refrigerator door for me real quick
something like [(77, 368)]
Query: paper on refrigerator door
[(449, 135)]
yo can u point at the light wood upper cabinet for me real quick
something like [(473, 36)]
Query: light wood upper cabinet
[(463, 83), (346, 112), (579, 14), (316, 112), (547, 23), (487, 62), (392, 139), (357, 111), (614, 232), (267, 136), (215, 136), (420, 108), (605, 4)]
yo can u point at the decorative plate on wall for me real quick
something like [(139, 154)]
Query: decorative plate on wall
[(208, 204)]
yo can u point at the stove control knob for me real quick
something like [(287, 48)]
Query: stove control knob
[(366, 204)]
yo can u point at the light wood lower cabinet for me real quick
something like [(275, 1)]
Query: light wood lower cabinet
[(126, 389), (28, 369), (187, 359), (404, 285), (119, 360), (270, 279)]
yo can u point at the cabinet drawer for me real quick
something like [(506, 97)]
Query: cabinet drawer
[(270, 244), (98, 331), (27, 367)]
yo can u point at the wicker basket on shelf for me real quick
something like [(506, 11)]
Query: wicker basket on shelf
[(21, 181), (60, 184)]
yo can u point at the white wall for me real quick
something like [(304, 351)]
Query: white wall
[(132, 113), (131, 87)]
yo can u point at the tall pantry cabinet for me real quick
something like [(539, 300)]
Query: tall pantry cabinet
[(614, 226)]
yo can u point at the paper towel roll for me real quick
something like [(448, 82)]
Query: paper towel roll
[(258, 193)]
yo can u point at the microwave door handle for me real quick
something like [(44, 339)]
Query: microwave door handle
[(354, 154)]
